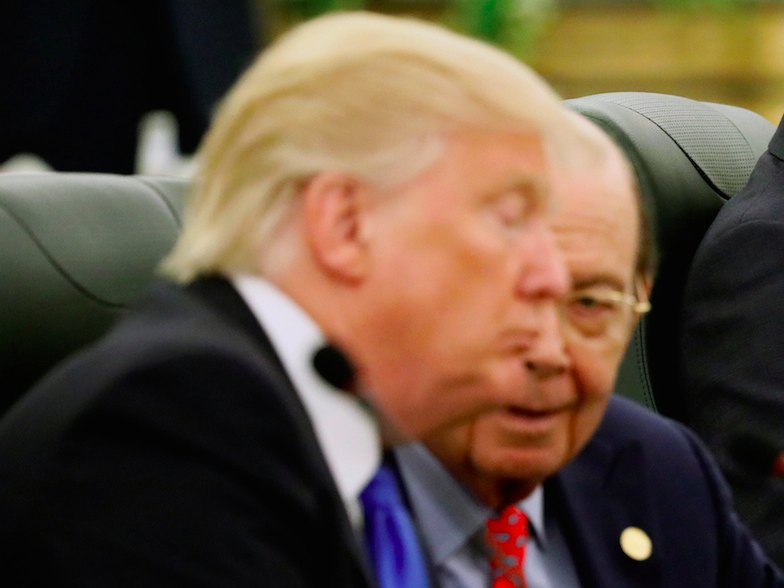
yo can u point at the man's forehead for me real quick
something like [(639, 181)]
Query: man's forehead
[(603, 200), (595, 214), (598, 240)]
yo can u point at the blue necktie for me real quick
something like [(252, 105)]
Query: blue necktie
[(389, 534)]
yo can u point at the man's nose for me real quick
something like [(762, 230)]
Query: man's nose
[(544, 275), (548, 357)]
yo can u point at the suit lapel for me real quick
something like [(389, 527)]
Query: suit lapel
[(219, 294), (597, 496), (776, 146)]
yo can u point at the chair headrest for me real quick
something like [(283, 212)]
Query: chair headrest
[(75, 251), (690, 157)]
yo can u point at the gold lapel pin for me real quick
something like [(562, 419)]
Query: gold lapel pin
[(636, 543)]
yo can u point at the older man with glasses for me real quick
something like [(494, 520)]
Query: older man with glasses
[(569, 487)]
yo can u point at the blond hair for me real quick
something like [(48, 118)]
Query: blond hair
[(363, 93)]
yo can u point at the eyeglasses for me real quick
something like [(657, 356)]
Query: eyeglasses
[(600, 312)]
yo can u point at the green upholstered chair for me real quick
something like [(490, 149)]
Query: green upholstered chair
[(76, 250), (690, 158)]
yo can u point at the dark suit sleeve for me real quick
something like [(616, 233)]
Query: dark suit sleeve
[(741, 561), (183, 472), (733, 361)]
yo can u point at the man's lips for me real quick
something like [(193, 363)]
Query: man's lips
[(532, 414), (532, 419)]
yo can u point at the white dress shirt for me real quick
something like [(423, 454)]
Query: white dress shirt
[(347, 433)]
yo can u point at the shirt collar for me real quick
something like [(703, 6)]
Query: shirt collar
[(347, 433), (533, 506), (447, 511)]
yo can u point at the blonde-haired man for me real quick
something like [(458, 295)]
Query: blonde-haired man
[(377, 183)]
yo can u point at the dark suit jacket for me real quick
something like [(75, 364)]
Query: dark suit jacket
[(641, 470), (173, 453), (732, 358), (78, 75)]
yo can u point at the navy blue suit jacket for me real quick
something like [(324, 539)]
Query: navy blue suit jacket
[(732, 346), (79, 75), (174, 452), (642, 470)]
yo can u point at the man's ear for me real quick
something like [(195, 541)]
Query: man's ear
[(335, 218), (648, 285)]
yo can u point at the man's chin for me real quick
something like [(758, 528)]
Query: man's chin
[(531, 465)]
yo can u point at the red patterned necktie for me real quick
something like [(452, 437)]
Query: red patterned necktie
[(507, 537)]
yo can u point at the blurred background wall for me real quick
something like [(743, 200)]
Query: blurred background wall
[(729, 51), (732, 54), (129, 87)]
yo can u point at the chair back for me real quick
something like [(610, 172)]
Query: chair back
[(690, 157), (76, 250)]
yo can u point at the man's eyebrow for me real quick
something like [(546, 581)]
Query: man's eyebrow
[(583, 283)]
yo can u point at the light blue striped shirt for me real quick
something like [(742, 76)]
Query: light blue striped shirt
[(452, 523)]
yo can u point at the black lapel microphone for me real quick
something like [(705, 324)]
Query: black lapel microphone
[(334, 366)]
